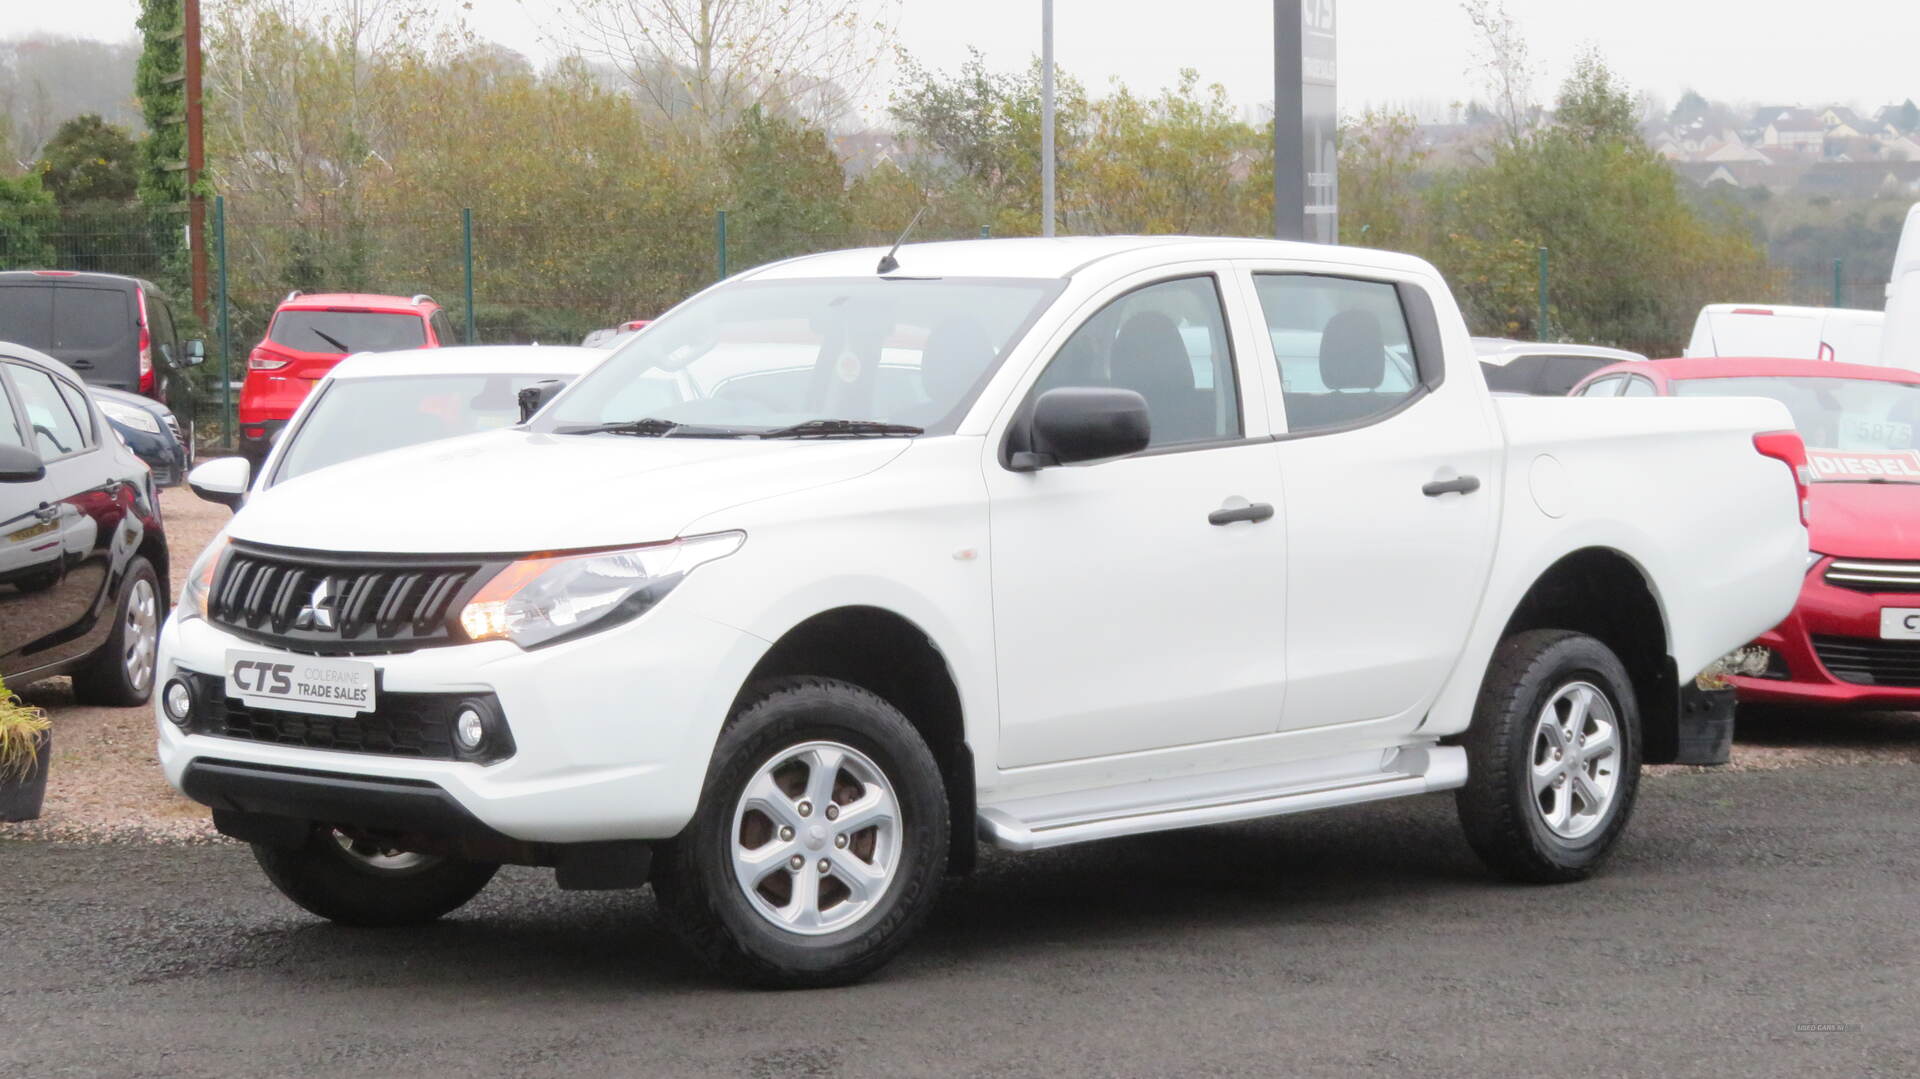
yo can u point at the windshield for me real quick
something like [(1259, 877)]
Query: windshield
[(760, 356), (347, 331), (355, 417), (1857, 430)]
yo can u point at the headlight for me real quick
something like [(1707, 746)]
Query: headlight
[(193, 595), (137, 418), (545, 598)]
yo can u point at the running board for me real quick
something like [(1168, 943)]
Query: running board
[(1188, 802)]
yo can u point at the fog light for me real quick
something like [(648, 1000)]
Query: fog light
[(469, 729), (177, 700)]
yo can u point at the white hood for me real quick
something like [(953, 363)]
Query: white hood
[(510, 492)]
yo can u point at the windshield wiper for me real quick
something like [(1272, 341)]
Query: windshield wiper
[(332, 340), (843, 429), (654, 427)]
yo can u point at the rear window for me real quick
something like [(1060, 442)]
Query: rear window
[(347, 331), (1515, 376), (65, 318)]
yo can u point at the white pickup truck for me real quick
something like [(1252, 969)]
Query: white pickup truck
[(852, 561)]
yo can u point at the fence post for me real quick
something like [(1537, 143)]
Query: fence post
[(1839, 293), (720, 244), (226, 327), (1542, 329), (466, 251), (986, 232)]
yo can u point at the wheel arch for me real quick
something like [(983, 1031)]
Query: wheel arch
[(1604, 593), (890, 655)]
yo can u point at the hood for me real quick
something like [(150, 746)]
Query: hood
[(512, 492), (108, 393), (1865, 520)]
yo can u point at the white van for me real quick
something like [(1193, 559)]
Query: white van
[(1775, 331), (1900, 345)]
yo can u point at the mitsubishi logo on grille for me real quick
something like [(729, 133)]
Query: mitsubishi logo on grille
[(318, 613)]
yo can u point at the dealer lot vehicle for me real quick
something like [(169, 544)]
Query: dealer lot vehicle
[(83, 557), (117, 332), (1853, 640), (786, 647), (309, 333), (1840, 334), (150, 430), (384, 401), (1542, 369)]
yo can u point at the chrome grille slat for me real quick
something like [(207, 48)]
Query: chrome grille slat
[(376, 603), (1861, 575)]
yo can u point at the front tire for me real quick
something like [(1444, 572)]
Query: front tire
[(1553, 757), (820, 840), (358, 883)]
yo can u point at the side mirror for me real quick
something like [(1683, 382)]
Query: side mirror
[(196, 353), (222, 480), (535, 397), (20, 465), (1083, 423)]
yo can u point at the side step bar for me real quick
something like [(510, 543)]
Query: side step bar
[(1413, 770)]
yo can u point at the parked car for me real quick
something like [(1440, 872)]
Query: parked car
[(786, 646), (1542, 369), (309, 333), (150, 430), (1854, 637), (121, 333), (615, 336), (1900, 341), (83, 556), (1840, 334), (376, 402)]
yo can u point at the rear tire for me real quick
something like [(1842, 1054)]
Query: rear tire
[(819, 844), (1553, 757), (120, 674), (358, 884)]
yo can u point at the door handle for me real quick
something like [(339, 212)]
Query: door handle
[(1464, 485), (1252, 514), (80, 365)]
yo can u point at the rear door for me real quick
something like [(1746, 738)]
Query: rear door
[(97, 333), (1391, 471)]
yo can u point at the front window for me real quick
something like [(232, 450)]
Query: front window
[(761, 357), (1857, 430), (354, 417), (347, 331)]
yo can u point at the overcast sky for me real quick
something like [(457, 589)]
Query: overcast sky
[(1405, 52)]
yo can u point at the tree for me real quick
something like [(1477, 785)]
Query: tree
[(1691, 108), (1505, 68), (699, 64), (162, 101), (1593, 104), (89, 161), (786, 190), (1179, 162), (1380, 163), (27, 218)]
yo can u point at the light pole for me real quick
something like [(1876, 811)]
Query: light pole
[(1289, 127), (1046, 117)]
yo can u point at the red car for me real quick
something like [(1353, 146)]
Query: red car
[(1854, 638), (311, 332)]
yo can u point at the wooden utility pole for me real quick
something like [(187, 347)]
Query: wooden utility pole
[(196, 162)]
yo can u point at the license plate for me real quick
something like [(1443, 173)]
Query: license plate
[(1900, 623), (314, 684)]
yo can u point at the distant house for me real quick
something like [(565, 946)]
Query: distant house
[(1901, 148), (1843, 123), (1732, 149), (1796, 129), (1901, 119)]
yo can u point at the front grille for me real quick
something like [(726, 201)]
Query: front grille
[(1868, 662), (173, 425), (1864, 576), (402, 724), (333, 604)]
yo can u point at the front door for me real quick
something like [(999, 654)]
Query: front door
[(1125, 619)]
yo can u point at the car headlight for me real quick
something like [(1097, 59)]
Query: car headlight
[(193, 595), (137, 418), (545, 598)]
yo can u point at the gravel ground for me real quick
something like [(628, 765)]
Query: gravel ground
[(107, 785)]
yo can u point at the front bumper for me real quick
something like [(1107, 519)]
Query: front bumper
[(1847, 623), (612, 732)]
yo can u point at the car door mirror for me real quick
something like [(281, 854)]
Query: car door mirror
[(20, 465), (222, 480), (1083, 423), (196, 353), (535, 397)]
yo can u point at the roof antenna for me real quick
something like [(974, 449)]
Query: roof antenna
[(888, 263)]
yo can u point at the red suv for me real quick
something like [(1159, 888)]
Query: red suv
[(312, 332)]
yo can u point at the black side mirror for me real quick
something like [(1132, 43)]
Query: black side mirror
[(535, 397), (1083, 423), (20, 465)]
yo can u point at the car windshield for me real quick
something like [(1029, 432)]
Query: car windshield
[(893, 356), (354, 417), (1857, 430), (347, 331)]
